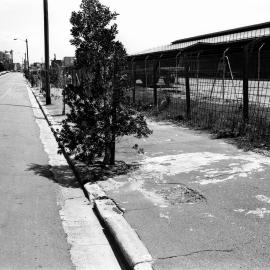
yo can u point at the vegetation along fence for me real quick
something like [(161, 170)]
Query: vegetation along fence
[(218, 81)]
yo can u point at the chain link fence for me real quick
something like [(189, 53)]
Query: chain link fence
[(219, 82)]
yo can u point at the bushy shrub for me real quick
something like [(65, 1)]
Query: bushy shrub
[(88, 131), (99, 114)]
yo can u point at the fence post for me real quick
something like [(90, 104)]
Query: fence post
[(155, 96), (134, 82), (245, 84), (64, 93), (115, 104), (187, 90)]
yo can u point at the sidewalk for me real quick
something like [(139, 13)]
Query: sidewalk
[(31, 233), (196, 203)]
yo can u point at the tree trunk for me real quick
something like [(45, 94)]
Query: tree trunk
[(107, 154)]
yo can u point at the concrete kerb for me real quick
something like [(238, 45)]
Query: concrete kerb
[(53, 125), (126, 238), (131, 247), (3, 73)]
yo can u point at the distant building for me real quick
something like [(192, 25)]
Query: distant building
[(68, 61), (17, 67), (56, 63), (36, 66)]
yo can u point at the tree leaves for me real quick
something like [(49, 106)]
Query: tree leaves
[(98, 110)]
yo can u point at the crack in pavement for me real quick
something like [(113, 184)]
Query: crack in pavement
[(72, 198), (208, 250), (140, 209), (196, 252)]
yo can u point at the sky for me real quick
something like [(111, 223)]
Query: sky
[(142, 24)]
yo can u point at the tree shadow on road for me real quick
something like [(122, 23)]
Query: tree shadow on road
[(61, 175), (100, 172), (19, 105)]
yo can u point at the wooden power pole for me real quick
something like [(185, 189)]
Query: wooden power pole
[(47, 55)]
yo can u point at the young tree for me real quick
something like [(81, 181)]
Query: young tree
[(98, 111)]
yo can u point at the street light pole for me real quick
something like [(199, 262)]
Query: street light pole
[(47, 56), (27, 53), (26, 42), (25, 61)]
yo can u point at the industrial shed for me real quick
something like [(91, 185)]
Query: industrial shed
[(215, 80)]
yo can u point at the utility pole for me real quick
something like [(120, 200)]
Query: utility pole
[(26, 41), (47, 56), (26, 54), (24, 62)]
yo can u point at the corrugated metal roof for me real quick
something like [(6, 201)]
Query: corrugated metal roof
[(237, 34)]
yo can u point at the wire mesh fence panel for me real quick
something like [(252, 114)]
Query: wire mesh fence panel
[(170, 90), (214, 92), (144, 96), (259, 91), (208, 85), (143, 80), (219, 81)]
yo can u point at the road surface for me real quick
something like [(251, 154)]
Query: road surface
[(31, 233)]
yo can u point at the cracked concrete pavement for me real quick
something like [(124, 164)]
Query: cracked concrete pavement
[(227, 230)]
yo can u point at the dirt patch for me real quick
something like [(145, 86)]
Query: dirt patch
[(181, 194)]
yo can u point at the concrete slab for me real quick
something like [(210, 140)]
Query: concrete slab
[(232, 220)]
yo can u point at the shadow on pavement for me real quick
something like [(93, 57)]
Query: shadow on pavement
[(55, 115), (99, 172), (17, 105), (61, 175)]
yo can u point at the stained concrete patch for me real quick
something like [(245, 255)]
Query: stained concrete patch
[(169, 165), (260, 212), (181, 194), (263, 198)]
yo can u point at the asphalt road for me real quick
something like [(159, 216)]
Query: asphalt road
[(196, 202), (31, 233)]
